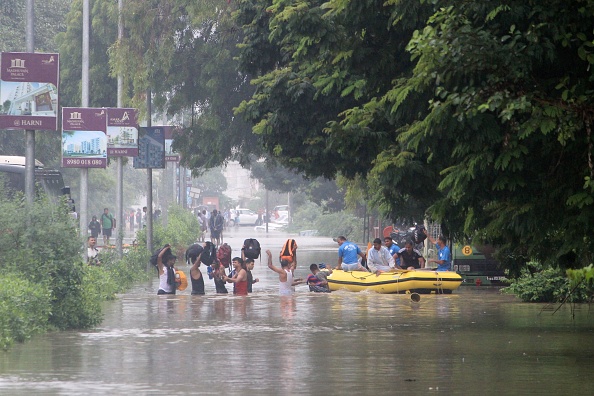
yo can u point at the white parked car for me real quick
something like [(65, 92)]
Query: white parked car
[(246, 217), (280, 214)]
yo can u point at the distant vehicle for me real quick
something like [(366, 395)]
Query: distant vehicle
[(246, 217), (49, 181), (477, 266)]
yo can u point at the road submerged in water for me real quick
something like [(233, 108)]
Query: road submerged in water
[(475, 341)]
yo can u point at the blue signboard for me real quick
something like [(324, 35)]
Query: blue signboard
[(151, 148)]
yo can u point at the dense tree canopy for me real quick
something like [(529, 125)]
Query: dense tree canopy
[(48, 21), (333, 61), (103, 33), (516, 78), (474, 112), (184, 52)]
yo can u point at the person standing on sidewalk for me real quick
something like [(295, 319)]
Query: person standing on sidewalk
[(107, 225), (95, 227)]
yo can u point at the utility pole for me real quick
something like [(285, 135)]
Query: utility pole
[(30, 134), (183, 187), (149, 176), (164, 198), (84, 172), (119, 160)]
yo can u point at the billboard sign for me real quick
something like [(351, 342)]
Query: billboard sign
[(151, 148), (170, 155), (122, 132), (84, 138), (29, 90)]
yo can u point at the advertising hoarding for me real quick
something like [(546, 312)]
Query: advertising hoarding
[(151, 148), (29, 90), (122, 132), (84, 138), (170, 155)]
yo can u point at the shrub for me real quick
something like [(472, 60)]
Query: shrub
[(43, 280), (117, 275), (310, 216), (181, 231), (305, 217), (582, 277), (340, 223), (24, 309), (545, 285), (39, 243)]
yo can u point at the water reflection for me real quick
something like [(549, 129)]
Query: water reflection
[(474, 341)]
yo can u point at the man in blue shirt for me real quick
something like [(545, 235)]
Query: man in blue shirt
[(444, 257), (347, 255), (393, 248)]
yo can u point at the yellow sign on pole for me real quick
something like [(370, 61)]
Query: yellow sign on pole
[(467, 250)]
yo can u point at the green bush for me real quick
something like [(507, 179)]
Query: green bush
[(545, 285), (40, 246), (117, 275), (311, 216), (305, 217), (24, 309), (43, 280), (39, 243), (582, 277), (340, 223), (181, 231)]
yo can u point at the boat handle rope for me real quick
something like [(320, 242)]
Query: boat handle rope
[(371, 273), (359, 277), (439, 284)]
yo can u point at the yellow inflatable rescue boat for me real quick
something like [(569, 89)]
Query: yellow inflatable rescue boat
[(400, 281)]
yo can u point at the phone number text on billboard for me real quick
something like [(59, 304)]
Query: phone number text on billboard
[(83, 162)]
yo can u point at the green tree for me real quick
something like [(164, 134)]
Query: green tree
[(49, 20), (103, 33), (317, 107), (476, 113), (211, 181), (512, 117), (275, 177)]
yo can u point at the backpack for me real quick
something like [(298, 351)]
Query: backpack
[(209, 254), (155, 256), (192, 252), (289, 250), (224, 255), (418, 234), (251, 248)]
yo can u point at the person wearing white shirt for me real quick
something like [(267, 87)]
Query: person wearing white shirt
[(379, 258), (92, 251)]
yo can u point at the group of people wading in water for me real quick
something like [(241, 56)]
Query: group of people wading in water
[(378, 259), (240, 276)]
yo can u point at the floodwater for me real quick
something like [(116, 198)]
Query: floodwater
[(475, 341)]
